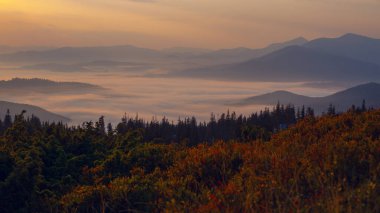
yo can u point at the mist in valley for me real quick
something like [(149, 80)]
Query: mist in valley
[(147, 97)]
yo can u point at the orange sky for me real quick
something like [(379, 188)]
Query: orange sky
[(194, 23)]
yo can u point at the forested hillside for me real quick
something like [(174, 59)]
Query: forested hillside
[(304, 163), (364, 94)]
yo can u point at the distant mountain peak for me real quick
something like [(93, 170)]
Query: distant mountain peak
[(282, 92), (278, 94), (353, 36), (293, 42), (371, 84), (299, 39), (368, 86), (354, 46)]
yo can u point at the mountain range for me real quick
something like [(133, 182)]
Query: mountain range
[(129, 53), (342, 100), (347, 58), (294, 63), (224, 56), (353, 46), (101, 65)]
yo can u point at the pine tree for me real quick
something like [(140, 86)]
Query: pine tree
[(7, 120), (100, 126), (303, 111), (364, 108), (109, 129), (331, 110), (310, 112)]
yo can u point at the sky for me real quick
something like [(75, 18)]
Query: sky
[(159, 24)]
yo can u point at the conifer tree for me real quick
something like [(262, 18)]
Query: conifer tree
[(7, 120)]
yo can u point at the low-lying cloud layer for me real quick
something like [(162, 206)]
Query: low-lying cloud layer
[(147, 97)]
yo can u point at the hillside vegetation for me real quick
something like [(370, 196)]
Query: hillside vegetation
[(325, 164)]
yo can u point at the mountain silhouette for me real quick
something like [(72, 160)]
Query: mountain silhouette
[(349, 45), (88, 66), (21, 85), (42, 114), (349, 58), (294, 63), (68, 57), (240, 54)]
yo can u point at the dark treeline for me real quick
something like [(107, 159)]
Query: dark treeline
[(226, 127)]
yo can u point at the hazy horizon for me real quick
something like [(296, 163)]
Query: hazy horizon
[(161, 24)]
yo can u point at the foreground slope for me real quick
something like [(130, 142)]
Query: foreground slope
[(318, 165), (326, 164)]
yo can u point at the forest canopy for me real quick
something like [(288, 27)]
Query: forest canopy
[(282, 160)]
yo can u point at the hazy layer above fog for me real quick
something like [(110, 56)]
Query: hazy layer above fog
[(194, 23)]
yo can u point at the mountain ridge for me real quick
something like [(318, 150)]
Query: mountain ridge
[(350, 45), (292, 63), (342, 100), (134, 53), (42, 114), (39, 85)]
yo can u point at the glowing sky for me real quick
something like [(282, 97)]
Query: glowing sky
[(194, 23)]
